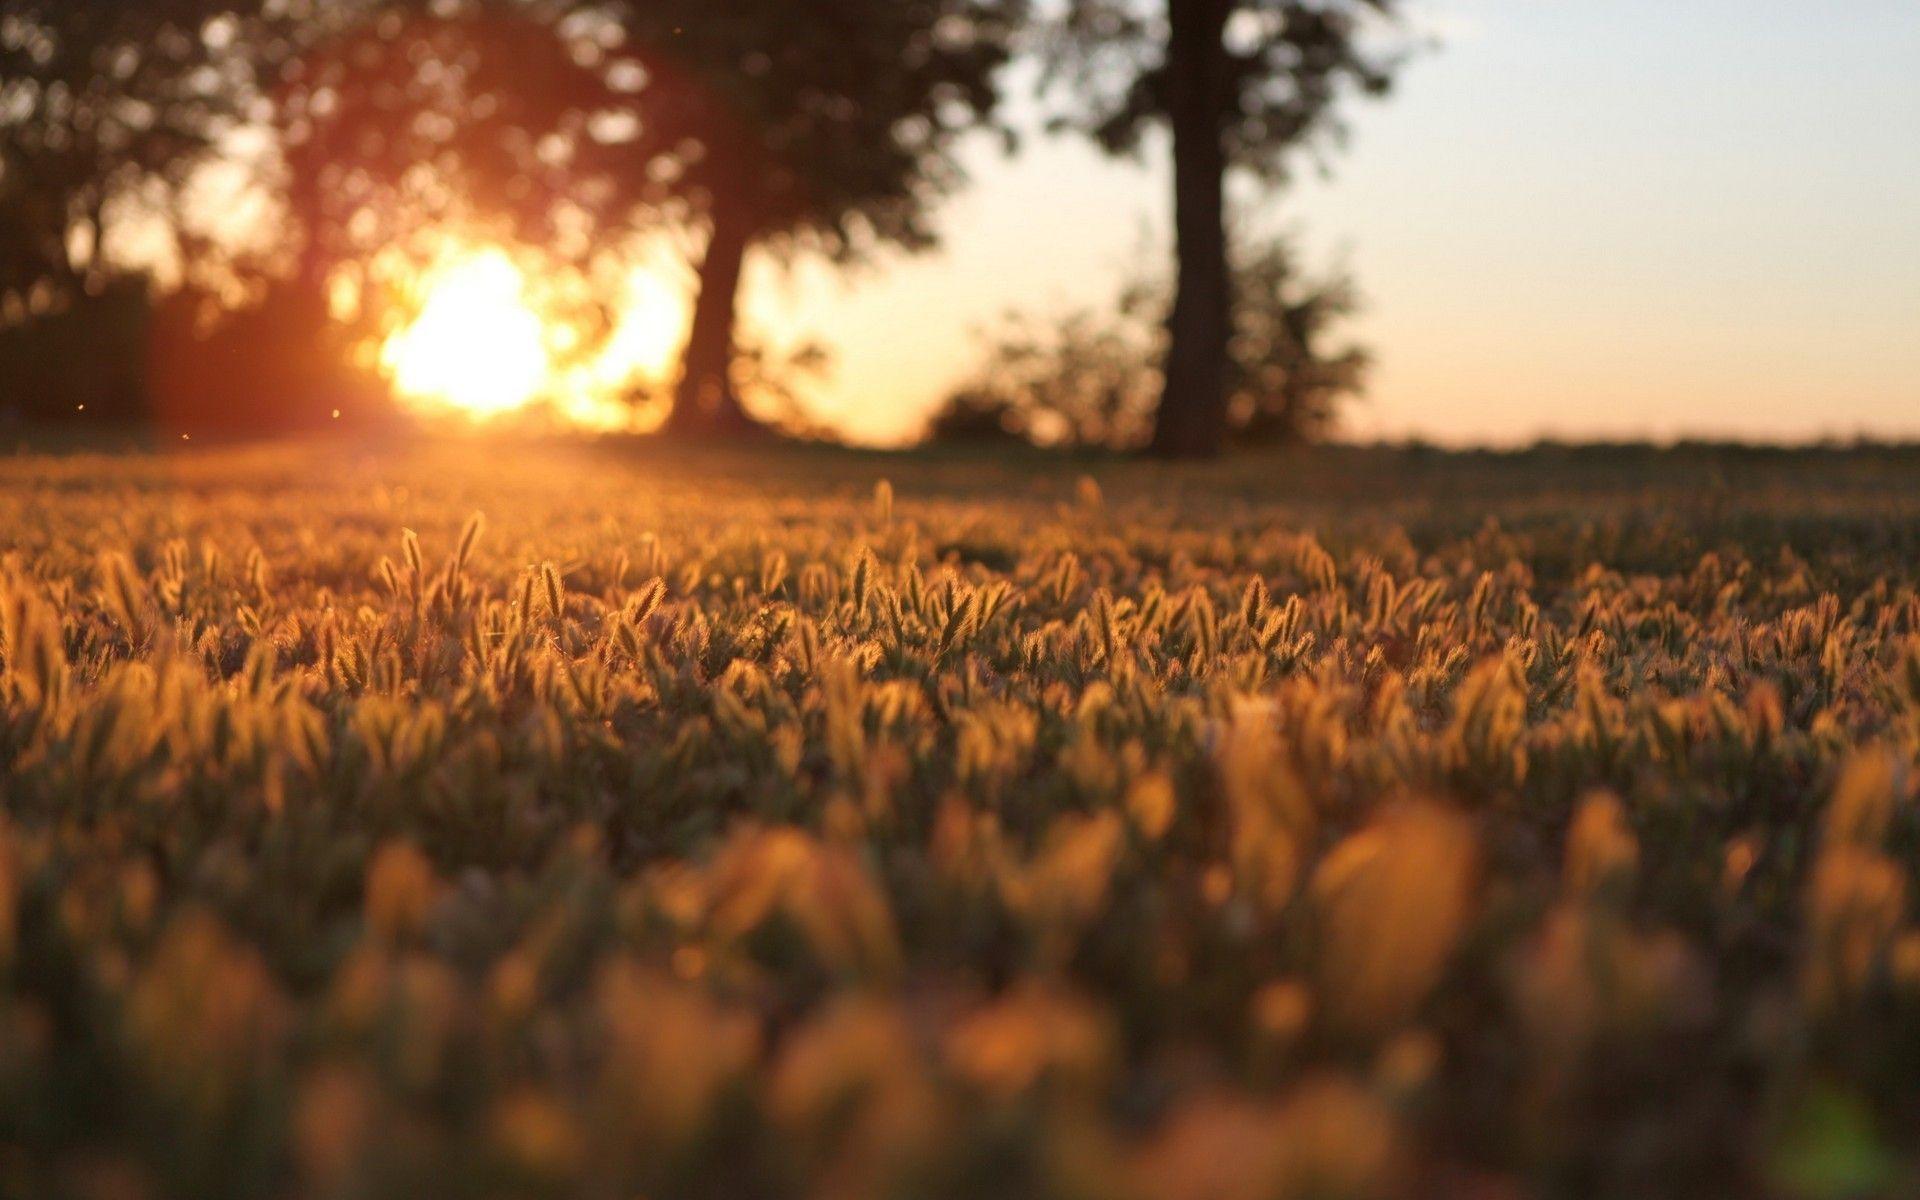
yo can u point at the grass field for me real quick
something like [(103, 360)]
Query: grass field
[(812, 824)]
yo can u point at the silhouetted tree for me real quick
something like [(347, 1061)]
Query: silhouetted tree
[(107, 108), (827, 127), (101, 102), (394, 115), (385, 120), (369, 120), (1238, 84)]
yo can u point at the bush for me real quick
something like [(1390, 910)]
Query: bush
[(1089, 378)]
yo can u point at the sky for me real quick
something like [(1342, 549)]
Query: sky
[(1573, 218)]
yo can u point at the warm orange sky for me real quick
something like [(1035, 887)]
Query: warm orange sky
[(1579, 217)]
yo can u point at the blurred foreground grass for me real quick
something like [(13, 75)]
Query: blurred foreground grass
[(487, 820)]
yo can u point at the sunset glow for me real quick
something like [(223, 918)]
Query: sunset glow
[(489, 338), (476, 346)]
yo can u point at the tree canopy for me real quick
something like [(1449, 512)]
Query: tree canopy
[(102, 103), (390, 115)]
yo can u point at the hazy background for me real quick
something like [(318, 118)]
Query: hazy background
[(1588, 218)]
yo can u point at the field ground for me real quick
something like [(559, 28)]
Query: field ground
[(1340, 824)]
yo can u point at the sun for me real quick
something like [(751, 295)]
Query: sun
[(476, 347)]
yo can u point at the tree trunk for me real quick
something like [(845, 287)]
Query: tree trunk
[(1192, 421), (705, 402)]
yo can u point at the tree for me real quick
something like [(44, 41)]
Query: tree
[(388, 124), (107, 109), (101, 102), (391, 116), (369, 121), (828, 127), (1239, 84), (1090, 379)]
